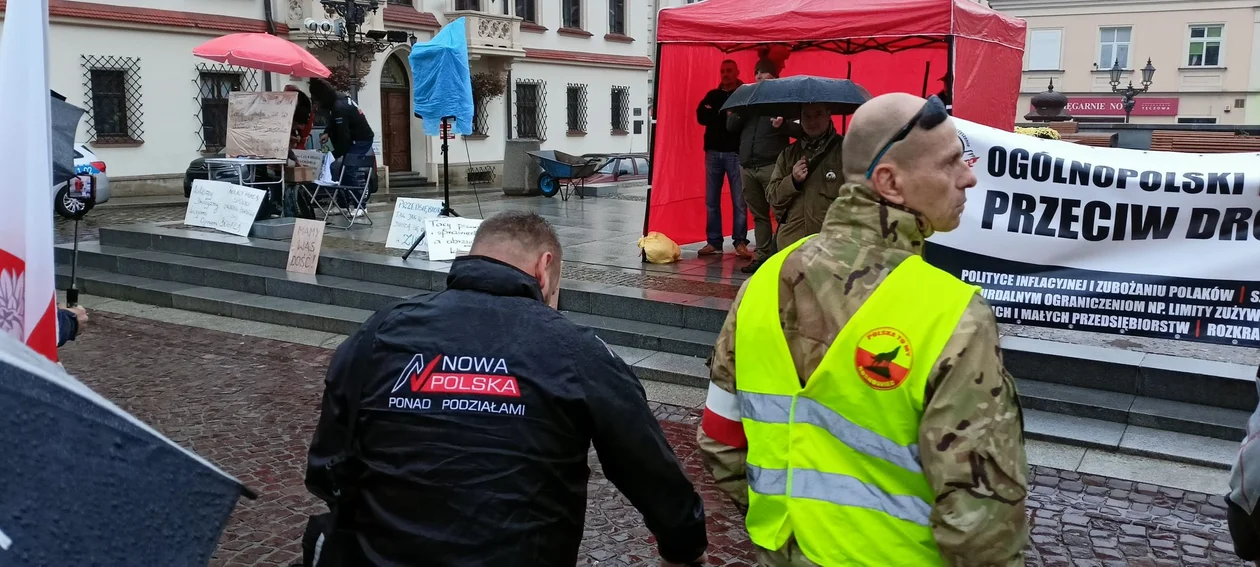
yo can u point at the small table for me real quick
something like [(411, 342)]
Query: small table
[(241, 163)]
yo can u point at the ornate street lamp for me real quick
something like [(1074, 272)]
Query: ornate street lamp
[(1129, 92), (349, 42)]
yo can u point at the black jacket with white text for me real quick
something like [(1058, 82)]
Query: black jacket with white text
[(479, 406)]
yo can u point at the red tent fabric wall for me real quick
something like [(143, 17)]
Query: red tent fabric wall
[(891, 46)]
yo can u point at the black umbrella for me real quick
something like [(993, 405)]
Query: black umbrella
[(784, 97), (85, 483), (65, 123)]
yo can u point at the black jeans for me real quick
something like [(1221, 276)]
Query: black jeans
[(1243, 529)]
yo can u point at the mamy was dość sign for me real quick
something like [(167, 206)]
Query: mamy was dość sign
[(1110, 240), (223, 206), (308, 238)]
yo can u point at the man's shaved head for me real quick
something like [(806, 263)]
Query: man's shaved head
[(924, 172), (524, 240)]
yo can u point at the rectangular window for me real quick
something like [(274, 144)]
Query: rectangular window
[(571, 13), (1205, 46), (576, 106), (109, 103), (1113, 47), (527, 10), (617, 17), (1044, 48), (1209, 120), (215, 90), (469, 5), (620, 108), (531, 109)]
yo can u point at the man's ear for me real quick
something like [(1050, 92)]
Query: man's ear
[(887, 184)]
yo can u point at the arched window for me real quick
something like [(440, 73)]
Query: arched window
[(394, 75)]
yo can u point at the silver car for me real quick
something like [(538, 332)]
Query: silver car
[(85, 163)]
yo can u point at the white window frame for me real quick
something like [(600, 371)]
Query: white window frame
[(1220, 52), (1058, 55), (1098, 55)]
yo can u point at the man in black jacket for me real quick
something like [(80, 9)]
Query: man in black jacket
[(761, 140), (721, 160), (348, 131), (478, 407)]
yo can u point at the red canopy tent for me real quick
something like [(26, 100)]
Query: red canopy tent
[(912, 46)]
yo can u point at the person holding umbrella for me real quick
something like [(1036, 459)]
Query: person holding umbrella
[(761, 140)]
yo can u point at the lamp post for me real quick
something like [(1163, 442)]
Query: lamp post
[(349, 42), (1129, 92)]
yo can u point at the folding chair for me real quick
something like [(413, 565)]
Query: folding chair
[(345, 194)]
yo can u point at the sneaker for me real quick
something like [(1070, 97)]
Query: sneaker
[(751, 268), (709, 250), (741, 250)]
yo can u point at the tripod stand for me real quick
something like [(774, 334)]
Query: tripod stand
[(447, 211)]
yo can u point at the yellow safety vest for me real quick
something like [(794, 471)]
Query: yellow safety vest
[(836, 463)]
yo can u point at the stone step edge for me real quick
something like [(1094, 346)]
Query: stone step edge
[(654, 365), (1146, 374), (1129, 439)]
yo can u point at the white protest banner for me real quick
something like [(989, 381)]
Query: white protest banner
[(223, 206), (408, 222), (1109, 240), (450, 237), (308, 238)]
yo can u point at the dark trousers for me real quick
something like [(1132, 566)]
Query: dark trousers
[(755, 181), (355, 196)]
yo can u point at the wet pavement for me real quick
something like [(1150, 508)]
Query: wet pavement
[(250, 404)]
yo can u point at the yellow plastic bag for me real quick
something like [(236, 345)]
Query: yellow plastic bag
[(660, 249)]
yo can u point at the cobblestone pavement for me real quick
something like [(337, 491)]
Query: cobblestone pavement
[(90, 226), (249, 405)]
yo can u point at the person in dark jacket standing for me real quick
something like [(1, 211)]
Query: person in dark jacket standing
[(478, 405), (348, 131), (761, 140), (721, 160)]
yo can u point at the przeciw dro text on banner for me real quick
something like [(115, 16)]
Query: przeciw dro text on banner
[(1110, 240)]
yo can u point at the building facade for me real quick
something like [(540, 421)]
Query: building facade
[(1206, 54), (575, 75)]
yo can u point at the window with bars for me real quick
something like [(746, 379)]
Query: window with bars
[(112, 85), (617, 17), (531, 109), (527, 10), (620, 109), (571, 13), (215, 89), (472, 5), (481, 118), (576, 106)]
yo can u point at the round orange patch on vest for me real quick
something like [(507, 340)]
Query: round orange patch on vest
[(883, 358)]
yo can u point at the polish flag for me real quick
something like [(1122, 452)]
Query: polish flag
[(28, 295), (722, 418)]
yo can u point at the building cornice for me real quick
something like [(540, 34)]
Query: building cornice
[(410, 17), (128, 16), (588, 59)]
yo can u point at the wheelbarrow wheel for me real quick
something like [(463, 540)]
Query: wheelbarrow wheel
[(547, 185)]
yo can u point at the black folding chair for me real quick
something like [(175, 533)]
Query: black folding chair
[(347, 194)]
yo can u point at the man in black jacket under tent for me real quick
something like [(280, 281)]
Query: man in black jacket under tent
[(455, 426)]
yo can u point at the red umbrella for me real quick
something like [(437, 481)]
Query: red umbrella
[(262, 51)]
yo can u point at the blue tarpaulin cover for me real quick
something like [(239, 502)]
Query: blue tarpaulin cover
[(443, 85)]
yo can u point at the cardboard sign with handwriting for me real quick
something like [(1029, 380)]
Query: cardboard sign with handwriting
[(223, 206), (450, 237), (309, 158), (260, 123), (308, 237), (408, 222)]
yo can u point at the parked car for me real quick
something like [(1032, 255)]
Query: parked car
[(622, 168), (197, 170), (85, 163)]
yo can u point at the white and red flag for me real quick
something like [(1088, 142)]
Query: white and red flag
[(28, 295)]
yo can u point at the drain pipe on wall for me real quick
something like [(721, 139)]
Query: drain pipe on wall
[(271, 29)]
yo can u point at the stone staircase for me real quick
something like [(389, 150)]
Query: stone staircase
[(1173, 408)]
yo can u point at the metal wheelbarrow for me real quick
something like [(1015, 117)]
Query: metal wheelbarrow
[(562, 172)]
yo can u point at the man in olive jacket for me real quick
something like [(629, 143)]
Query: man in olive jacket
[(807, 177)]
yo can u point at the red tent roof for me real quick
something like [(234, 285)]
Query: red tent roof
[(761, 21)]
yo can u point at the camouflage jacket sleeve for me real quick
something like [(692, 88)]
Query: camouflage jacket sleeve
[(720, 435), (972, 447)]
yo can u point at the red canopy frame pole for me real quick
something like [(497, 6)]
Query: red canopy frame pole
[(949, 66), (656, 100)]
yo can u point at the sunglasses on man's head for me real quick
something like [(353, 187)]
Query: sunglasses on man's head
[(932, 114)]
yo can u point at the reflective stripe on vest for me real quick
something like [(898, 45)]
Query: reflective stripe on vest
[(836, 463)]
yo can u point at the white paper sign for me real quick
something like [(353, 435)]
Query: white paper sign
[(308, 238), (450, 237), (309, 158), (408, 222), (223, 206)]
